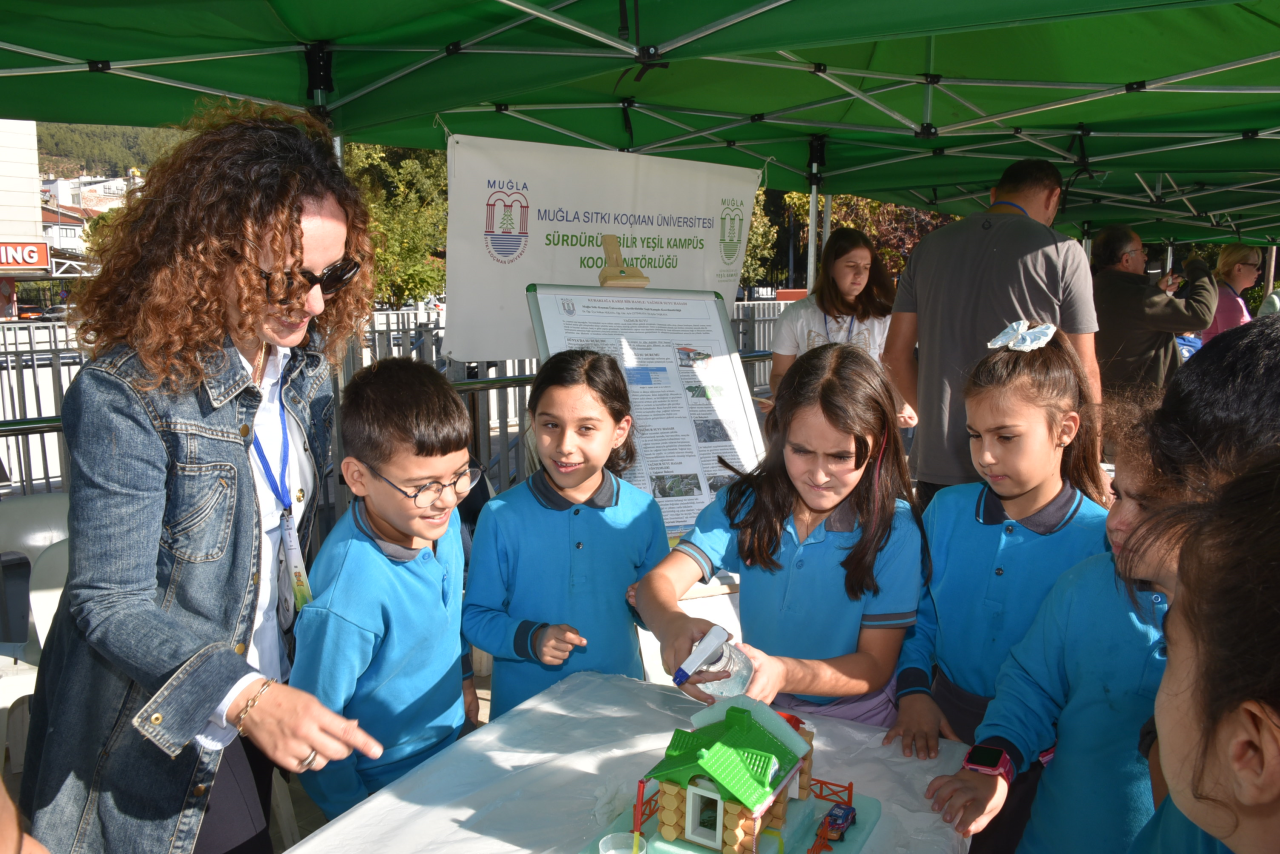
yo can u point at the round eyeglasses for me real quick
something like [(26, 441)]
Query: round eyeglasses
[(425, 495), (331, 279)]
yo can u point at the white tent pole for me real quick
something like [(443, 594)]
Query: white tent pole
[(1271, 269), (826, 219), (1212, 141), (719, 25), (1148, 85), (812, 267), (557, 129), (745, 120), (337, 149), (679, 124), (1168, 258), (571, 25), (396, 75)]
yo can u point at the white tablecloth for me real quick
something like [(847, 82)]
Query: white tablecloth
[(529, 780)]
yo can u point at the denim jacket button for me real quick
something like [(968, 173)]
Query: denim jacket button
[(156, 719), (239, 651), (256, 577), (244, 430), (199, 790)]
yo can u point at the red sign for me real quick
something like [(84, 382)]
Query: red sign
[(24, 256)]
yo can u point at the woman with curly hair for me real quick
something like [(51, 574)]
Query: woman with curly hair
[(197, 435)]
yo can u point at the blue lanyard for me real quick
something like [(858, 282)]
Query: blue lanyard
[(1012, 205), (278, 488), (848, 335)]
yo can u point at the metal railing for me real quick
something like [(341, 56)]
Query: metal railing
[(33, 453)]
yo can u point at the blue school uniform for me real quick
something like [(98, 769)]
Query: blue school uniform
[(801, 610), (382, 644), (990, 574), (1171, 832), (1085, 676), (538, 559)]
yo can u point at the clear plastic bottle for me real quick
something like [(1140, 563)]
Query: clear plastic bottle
[(714, 653)]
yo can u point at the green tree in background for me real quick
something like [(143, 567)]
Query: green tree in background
[(895, 229), (760, 240), (407, 193), (69, 150), (95, 228)]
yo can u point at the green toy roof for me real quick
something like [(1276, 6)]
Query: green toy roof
[(742, 758)]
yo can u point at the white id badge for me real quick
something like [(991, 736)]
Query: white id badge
[(293, 589)]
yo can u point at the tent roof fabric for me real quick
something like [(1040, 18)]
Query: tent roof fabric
[(1163, 114)]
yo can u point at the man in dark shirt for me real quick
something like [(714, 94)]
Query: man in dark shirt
[(1138, 322)]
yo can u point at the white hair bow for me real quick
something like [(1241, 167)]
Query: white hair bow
[(1017, 336)]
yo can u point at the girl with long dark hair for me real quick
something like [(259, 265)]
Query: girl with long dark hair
[(553, 557), (827, 540)]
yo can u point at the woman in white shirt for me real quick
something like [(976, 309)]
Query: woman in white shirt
[(850, 304)]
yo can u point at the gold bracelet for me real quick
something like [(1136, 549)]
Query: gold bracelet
[(248, 706)]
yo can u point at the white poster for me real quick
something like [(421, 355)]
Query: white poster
[(522, 213), (689, 397)]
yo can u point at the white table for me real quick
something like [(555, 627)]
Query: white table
[(529, 780)]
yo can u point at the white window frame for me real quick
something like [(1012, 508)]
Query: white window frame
[(695, 832)]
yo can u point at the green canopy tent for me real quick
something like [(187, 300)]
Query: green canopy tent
[(1163, 114)]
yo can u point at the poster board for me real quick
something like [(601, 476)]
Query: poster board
[(689, 396), (522, 212)]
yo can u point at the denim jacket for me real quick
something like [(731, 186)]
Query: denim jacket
[(156, 616)]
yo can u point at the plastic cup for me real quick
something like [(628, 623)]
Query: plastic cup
[(620, 843)]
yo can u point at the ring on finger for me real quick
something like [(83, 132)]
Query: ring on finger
[(308, 762)]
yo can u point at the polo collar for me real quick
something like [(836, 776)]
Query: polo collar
[(398, 553), (540, 486), (844, 519), (1050, 519)]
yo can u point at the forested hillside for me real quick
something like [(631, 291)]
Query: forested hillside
[(71, 150)]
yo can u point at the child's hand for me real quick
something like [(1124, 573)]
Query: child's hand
[(471, 701), (631, 593), (677, 643), (968, 798), (919, 723), (554, 643), (768, 676)]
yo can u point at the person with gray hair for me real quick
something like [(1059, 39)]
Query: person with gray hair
[(1138, 320)]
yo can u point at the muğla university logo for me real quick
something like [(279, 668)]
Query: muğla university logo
[(506, 224), (730, 230)]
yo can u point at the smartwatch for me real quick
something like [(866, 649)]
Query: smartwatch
[(989, 760)]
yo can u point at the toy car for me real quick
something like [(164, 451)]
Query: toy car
[(839, 819)]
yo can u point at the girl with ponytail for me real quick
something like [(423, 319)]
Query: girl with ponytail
[(998, 546)]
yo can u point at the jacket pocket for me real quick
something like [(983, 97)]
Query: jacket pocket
[(201, 507)]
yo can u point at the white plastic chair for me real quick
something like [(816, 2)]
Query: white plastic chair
[(48, 577), (29, 525)]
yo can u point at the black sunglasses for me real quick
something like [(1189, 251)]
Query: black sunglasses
[(331, 279)]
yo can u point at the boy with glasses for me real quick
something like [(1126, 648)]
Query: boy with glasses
[(381, 642)]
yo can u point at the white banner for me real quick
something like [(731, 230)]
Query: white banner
[(524, 213)]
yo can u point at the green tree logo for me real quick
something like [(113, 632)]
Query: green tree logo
[(730, 234), (508, 224)]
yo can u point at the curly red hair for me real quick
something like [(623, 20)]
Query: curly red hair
[(170, 256)]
